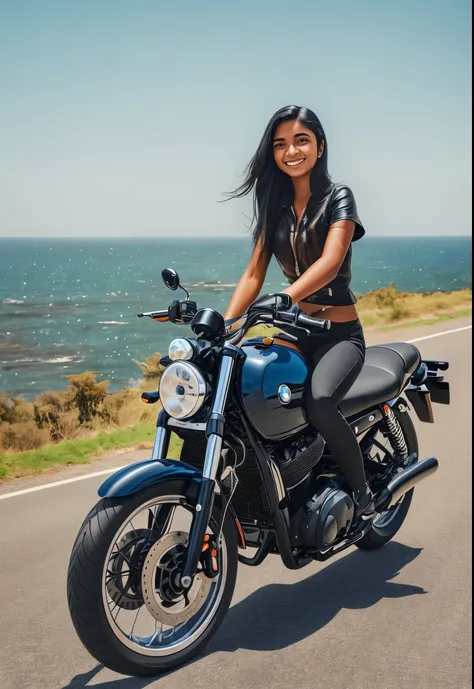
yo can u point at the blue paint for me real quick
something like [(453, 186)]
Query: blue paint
[(138, 476), (264, 371)]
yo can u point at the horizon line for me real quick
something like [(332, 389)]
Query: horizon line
[(213, 236)]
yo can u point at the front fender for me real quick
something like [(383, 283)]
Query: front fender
[(138, 476)]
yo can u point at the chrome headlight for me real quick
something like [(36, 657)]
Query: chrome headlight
[(181, 348), (182, 390)]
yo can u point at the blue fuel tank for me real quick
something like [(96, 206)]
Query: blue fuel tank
[(274, 379)]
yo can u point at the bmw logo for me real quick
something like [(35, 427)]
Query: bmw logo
[(284, 394)]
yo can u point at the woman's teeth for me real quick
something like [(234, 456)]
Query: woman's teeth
[(293, 163)]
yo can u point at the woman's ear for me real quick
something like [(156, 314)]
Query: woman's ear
[(321, 149)]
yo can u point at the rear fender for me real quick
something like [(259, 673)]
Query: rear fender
[(420, 399), (136, 477)]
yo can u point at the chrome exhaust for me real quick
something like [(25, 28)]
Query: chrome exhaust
[(405, 481)]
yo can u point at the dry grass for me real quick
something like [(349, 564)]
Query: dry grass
[(387, 306)]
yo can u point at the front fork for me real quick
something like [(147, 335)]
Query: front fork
[(215, 434)]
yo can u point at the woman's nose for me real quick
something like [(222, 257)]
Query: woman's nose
[(292, 150)]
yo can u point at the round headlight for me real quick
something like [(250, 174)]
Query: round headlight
[(182, 390), (180, 349)]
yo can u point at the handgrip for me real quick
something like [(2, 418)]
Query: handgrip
[(310, 323), (161, 316)]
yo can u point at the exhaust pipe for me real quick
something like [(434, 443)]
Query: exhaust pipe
[(405, 481)]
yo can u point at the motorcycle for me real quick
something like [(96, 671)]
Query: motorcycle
[(154, 565)]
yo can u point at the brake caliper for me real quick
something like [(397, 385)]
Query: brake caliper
[(209, 557)]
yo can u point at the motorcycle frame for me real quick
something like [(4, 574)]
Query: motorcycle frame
[(138, 476)]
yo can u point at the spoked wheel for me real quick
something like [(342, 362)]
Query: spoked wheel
[(387, 523), (125, 596)]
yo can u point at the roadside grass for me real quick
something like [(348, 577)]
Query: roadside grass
[(82, 451), (388, 307)]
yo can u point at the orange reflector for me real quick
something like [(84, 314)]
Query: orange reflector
[(267, 340)]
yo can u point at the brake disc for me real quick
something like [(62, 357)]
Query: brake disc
[(123, 572), (164, 597)]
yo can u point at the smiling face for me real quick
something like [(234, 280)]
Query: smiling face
[(295, 148)]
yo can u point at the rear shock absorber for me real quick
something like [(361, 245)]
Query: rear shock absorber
[(396, 434)]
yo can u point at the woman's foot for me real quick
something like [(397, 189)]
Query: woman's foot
[(364, 505)]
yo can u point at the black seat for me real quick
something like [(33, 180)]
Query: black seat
[(383, 376)]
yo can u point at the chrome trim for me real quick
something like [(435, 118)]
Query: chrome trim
[(213, 455), (411, 477), (191, 425), (278, 481), (160, 441), (223, 385), (214, 442)]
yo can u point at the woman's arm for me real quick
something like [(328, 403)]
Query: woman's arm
[(249, 285), (325, 269)]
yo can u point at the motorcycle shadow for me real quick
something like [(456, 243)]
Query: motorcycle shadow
[(279, 615)]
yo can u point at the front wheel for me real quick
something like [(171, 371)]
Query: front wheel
[(124, 592), (386, 524)]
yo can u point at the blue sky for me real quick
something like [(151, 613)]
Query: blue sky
[(126, 119)]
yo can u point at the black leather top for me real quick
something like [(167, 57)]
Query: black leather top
[(309, 243), (382, 377)]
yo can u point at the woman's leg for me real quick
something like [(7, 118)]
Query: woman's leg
[(337, 366)]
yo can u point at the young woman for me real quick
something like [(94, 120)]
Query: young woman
[(308, 223)]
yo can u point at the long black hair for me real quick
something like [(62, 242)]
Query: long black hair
[(271, 185)]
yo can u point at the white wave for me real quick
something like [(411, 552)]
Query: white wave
[(113, 322), (53, 360), (8, 300)]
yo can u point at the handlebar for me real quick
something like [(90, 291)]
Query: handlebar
[(273, 310), (292, 320)]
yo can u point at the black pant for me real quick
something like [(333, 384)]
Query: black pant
[(338, 356)]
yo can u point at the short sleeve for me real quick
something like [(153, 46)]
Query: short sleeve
[(343, 207)]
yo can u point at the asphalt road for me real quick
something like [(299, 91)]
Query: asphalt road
[(398, 618)]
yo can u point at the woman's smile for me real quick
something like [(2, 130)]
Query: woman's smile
[(294, 163)]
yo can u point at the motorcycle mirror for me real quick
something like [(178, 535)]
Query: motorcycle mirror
[(170, 278)]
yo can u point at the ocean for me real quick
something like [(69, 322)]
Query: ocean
[(69, 305)]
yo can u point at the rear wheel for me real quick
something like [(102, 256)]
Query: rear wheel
[(387, 523), (124, 591)]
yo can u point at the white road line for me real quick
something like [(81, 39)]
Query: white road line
[(59, 483), (446, 332), (111, 471)]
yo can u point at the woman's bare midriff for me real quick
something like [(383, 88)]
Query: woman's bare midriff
[(337, 314)]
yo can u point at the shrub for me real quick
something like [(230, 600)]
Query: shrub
[(54, 411), (151, 367), (15, 410), (399, 311), (87, 395), (19, 437)]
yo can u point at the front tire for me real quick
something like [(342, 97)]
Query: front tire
[(383, 530), (87, 577)]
